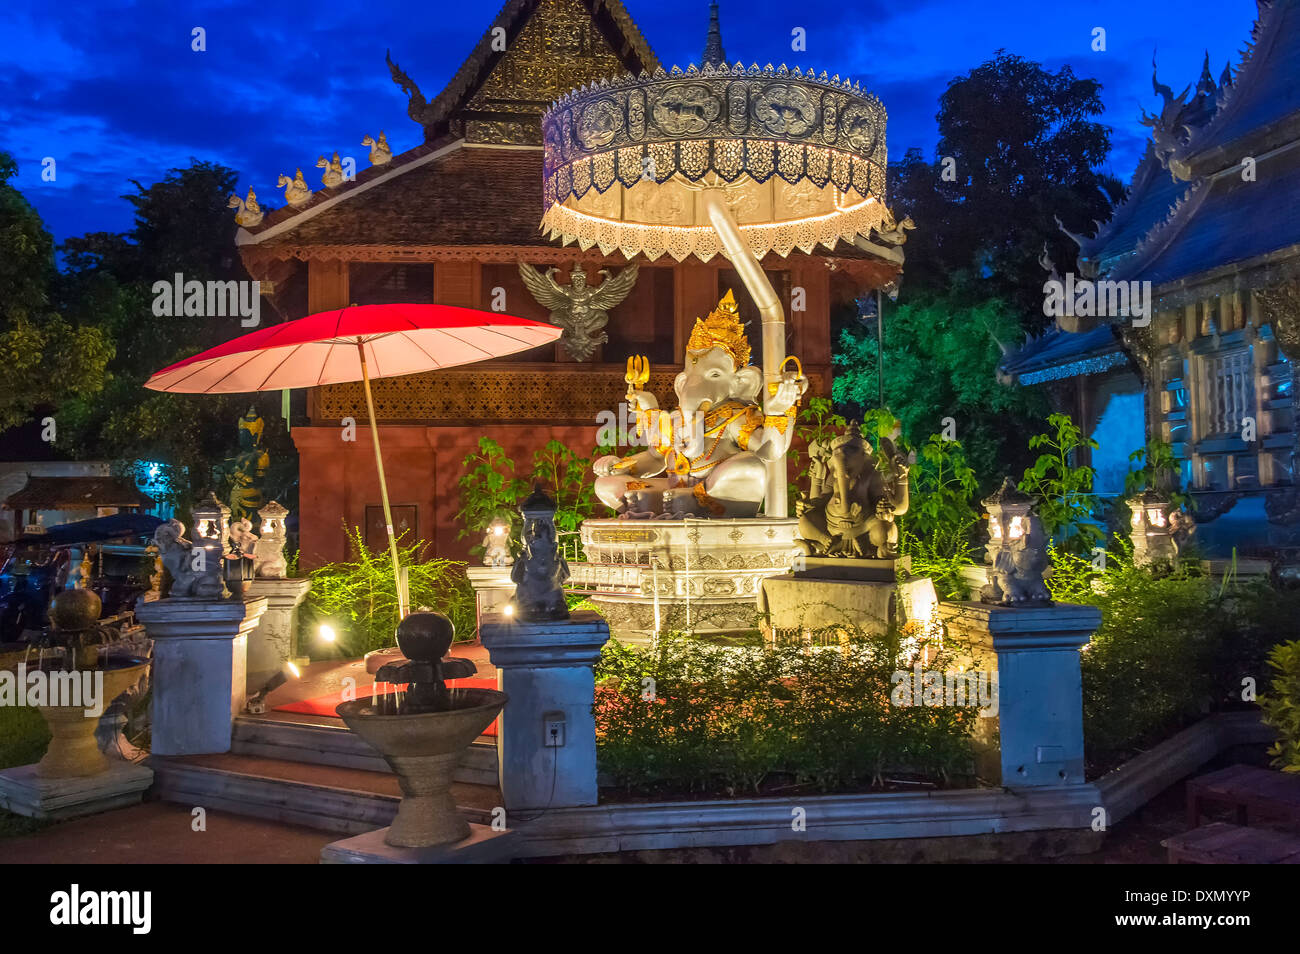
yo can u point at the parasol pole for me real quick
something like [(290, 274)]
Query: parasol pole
[(383, 485), (769, 307)]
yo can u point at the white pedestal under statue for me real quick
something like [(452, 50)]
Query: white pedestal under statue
[(493, 589), (690, 575)]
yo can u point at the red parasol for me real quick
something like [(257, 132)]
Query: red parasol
[(356, 343)]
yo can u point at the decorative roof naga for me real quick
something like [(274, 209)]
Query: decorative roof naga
[(417, 107), (714, 449), (250, 213), (1167, 132), (296, 190), (333, 176)]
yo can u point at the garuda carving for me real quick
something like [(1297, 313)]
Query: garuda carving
[(580, 309)]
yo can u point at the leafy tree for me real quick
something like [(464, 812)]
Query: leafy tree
[(1007, 180), (46, 357), (489, 491), (1064, 488), (941, 358), (182, 224)]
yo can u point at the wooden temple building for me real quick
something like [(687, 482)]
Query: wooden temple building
[(1211, 221), (449, 222)]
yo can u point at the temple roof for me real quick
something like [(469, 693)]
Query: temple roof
[(1261, 110), (1195, 223), (464, 196), (1060, 354), (1221, 222), (1164, 231), (498, 95), (609, 16), (1151, 194)]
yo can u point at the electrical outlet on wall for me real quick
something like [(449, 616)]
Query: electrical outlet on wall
[(553, 729)]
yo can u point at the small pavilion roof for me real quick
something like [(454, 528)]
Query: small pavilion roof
[(76, 493)]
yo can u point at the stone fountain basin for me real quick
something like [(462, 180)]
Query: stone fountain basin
[(424, 749), (73, 751), (425, 733)]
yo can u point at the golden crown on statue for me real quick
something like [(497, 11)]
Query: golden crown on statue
[(722, 329)]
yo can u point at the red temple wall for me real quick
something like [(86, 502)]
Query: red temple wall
[(338, 479)]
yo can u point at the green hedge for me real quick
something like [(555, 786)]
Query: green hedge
[(1171, 648), (738, 720)]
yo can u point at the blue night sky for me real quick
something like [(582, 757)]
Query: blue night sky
[(113, 92)]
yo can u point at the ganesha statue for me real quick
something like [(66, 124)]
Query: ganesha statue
[(850, 505), (709, 457)]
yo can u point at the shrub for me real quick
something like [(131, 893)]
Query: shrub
[(490, 491), (729, 719), (1063, 488), (360, 597), (1281, 705), (1170, 648)]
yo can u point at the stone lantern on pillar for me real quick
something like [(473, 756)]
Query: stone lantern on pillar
[(1153, 532), (1017, 550), (211, 520), (268, 552), (211, 524)]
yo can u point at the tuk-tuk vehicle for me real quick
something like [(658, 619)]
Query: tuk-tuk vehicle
[(39, 565)]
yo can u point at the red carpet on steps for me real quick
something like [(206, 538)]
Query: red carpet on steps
[(325, 705)]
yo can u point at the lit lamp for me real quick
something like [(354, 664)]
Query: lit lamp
[(211, 518), (268, 552), (496, 544), (1016, 551), (1152, 530), (722, 159)]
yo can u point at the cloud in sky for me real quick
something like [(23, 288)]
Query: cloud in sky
[(114, 92)]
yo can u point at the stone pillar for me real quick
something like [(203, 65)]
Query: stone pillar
[(546, 670), (492, 589), (272, 642), (1040, 692), (199, 670)]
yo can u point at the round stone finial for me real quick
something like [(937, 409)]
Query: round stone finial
[(74, 610), (425, 637)]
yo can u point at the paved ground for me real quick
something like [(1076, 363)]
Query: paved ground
[(160, 833)]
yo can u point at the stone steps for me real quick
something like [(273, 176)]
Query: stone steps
[(335, 745), (329, 798)]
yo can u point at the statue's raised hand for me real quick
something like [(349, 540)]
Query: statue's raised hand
[(609, 464), (788, 393)]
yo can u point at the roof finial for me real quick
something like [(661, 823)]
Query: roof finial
[(713, 54), (1225, 78), (1206, 83)]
